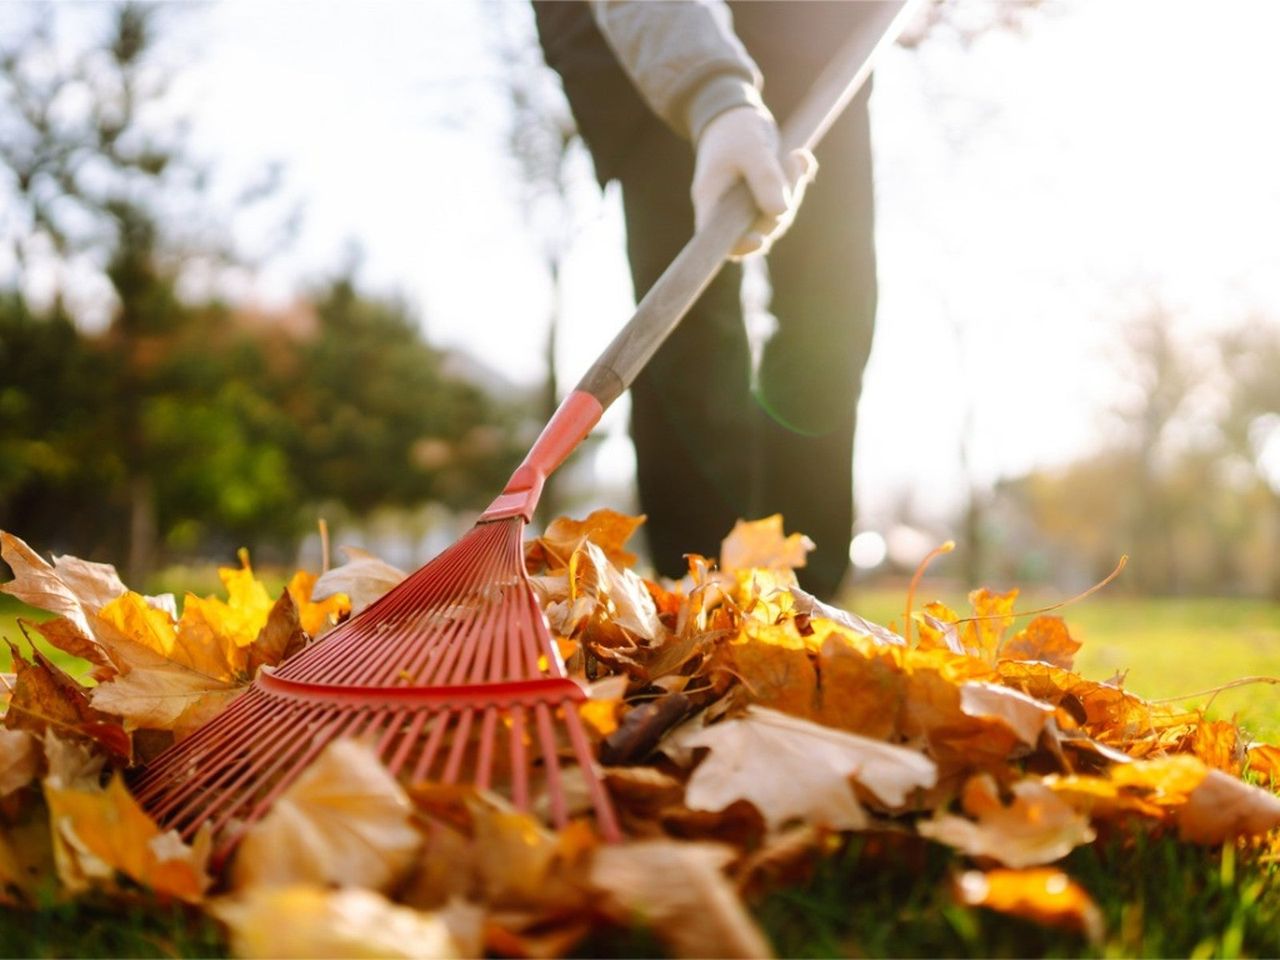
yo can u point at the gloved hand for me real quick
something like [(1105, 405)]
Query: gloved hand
[(743, 142)]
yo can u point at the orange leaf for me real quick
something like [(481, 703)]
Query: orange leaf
[(1043, 895), (1045, 639), (99, 832), (607, 529)]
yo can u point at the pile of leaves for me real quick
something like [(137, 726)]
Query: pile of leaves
[(743, 730)]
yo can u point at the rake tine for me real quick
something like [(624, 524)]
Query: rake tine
[(429, 751), (484, 762), (551, 764), (461, 733), (519, 761)]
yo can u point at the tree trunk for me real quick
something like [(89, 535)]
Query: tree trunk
[(142, 530)]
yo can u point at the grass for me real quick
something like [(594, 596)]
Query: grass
[(883, 896)]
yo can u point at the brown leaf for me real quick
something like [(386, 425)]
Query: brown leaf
[(67, 637), (681, 892), (774, 668), (44, 697), (344, 820), (1045, 896), (19, 760), (281, 636)]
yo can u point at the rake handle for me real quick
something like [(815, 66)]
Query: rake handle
[(669, 299)]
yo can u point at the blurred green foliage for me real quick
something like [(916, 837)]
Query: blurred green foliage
[(188, 428)]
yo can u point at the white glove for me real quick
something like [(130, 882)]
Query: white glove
[(743, 142)]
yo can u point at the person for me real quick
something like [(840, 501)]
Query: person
[(675, 101)]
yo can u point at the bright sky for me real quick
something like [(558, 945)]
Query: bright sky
[(1120, 146)]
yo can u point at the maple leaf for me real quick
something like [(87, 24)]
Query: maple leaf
[(304, 921), (72, 589), (1043, 895), (1264, 761), (860, 692), (1037, 827), (97, 833), (1045, 639), (280, 637), (19, 760), (44, 696), (760, 545), (983, 635), (362, 580), (344, 820), (680, 891), (606, 529), (790, 768)]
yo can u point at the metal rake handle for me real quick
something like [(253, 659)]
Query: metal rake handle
[(669, 299)]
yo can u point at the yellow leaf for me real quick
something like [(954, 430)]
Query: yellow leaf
[(99, 832), (307, 922), (1043, 895), (316, 616), (142, 623), (344, 820), (607, 529), (760, 544), (992, 615)]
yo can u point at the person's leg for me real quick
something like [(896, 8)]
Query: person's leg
[(691, 408), (824, 297)]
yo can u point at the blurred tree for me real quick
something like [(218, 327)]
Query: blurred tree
[(180, 425), (377, 418), (552, 168), (95, 181)]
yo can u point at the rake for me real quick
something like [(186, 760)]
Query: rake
[(453, 675)]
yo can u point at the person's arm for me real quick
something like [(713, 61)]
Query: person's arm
[(693, 71), (683, 57)]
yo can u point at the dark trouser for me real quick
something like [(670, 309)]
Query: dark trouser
[(713, 446)]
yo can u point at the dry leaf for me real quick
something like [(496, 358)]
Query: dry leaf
[(362, 579), (1035, 828), (344, 820), (19, 760), (607, 529), (1043, 895), (312, 922), (315, 614), (99, 832), (1045, 639), (1024, 715), (789, 768), (760, 545), (1222, 808), (679, 890), (280, 637)]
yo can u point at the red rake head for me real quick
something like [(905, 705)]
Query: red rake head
[(452, 676)]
